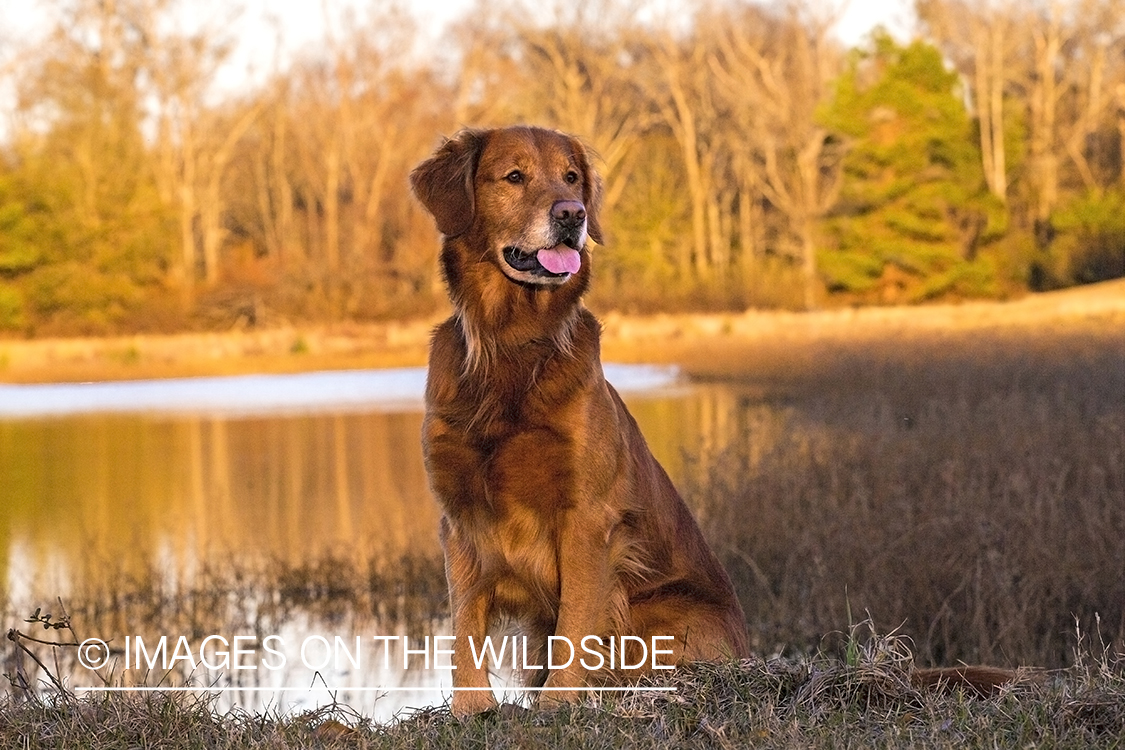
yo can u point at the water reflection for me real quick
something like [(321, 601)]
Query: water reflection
[(181, 490), (293, 525)]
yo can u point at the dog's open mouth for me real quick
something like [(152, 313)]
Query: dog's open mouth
[(551, 262)]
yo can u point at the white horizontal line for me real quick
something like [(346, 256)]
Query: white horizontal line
[(367, 689)]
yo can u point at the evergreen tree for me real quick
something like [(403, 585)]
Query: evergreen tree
[(914, 211)]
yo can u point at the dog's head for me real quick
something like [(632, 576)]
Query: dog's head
[(527, 197)]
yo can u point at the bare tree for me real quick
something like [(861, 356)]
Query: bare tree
[(979, 37), (1045, 61), (1095, 67), (195, 142), (683, 97), (587, 87), (270, 163), (777, 75), (1048, 38), (573, 67), (1065, 90)]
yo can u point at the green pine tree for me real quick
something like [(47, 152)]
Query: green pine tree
[(914, 213)]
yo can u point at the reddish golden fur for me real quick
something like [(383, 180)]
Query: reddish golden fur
[(555, 512)]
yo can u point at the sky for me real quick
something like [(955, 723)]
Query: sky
[(300, 22), (305, 19), (861, 16)]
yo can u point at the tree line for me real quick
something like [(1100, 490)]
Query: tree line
[(748, 158)]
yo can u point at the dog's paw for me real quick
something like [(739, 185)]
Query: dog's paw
[(556, 699), (563, 688), (469, 703)]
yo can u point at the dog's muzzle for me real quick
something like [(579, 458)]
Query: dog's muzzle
[(559, 260), (548, 262)]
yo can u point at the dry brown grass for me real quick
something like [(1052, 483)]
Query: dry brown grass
[(971, 489), (777, 703), (779, 346), (707, 345), (278, 350)]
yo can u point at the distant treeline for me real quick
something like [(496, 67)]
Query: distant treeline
[(748, 159)]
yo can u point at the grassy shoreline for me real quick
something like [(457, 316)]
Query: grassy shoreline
[(821, 702), (688, 339)]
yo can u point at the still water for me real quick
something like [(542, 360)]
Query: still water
[(230, 508)]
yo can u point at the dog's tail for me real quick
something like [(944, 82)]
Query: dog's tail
[(982, 681)]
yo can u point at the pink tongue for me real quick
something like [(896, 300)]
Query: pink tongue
[(560, 259)]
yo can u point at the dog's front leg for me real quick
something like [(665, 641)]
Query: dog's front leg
[(469, 604), (586, 586)]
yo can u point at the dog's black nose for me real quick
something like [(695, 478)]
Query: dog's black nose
[(568, 214)]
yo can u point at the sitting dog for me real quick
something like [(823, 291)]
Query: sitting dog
[(556, 514)]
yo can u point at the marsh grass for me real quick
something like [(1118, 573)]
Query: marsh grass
[(815, 702), (970, 491)]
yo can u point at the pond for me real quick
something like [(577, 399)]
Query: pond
[(273, 534)]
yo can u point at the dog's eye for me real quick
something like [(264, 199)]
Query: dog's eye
[(515, 177), (572, 177)]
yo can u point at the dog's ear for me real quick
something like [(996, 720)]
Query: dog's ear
[(591, 190), (444, 182)]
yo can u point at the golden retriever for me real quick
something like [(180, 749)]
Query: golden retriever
[(556, 514)]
